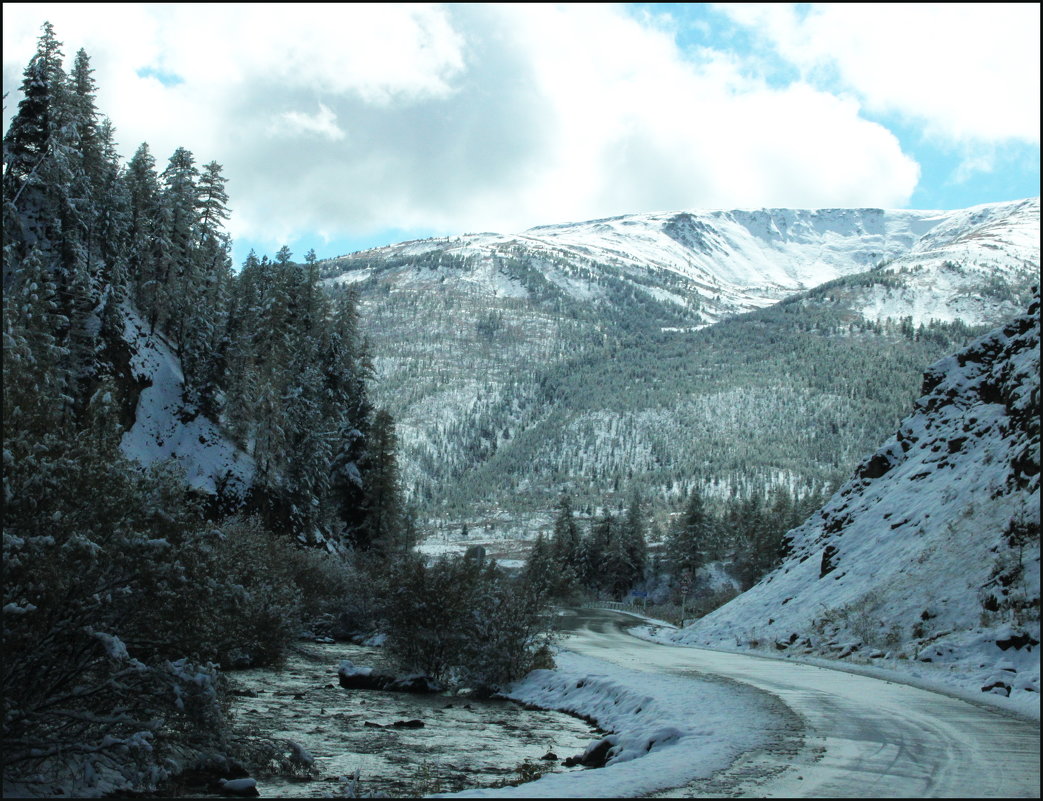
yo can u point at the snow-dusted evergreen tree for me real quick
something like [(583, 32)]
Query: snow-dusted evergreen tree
[(207, 321), (385, 525), (146, 239), (595, 552), (37, 169), (566, 548), (692, 535), (632, 533), (36, 400), (541, 570), (117, 590), (180, 281)]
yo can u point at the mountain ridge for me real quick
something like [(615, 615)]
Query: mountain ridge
[(492, 350), (722, 262)]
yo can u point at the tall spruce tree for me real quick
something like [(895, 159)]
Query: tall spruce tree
[(566, 548), (691, 535)]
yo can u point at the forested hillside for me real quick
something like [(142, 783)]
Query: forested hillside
[(204, 461), (173, 432), (561, 360)]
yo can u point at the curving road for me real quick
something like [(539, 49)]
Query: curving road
[(852, 736)]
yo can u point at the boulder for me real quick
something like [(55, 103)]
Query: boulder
[(240, 788), (595, 756), (353, 677)]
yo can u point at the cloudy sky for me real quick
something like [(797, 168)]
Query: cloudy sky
[(342, 126)]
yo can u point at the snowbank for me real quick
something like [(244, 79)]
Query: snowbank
[(665, 730), (163, 427)]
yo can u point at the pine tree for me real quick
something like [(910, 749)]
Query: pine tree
[(633, 535), (691, 536), (596, 551), (146, 239), (541, 570), (36, 400), (383, 527), (566, 548), (206, 321), (180, 271), (36, 170), (617, 570)]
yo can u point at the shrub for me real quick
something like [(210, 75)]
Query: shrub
[(325, 580), (461, 621), (96, 697), (117, 595)]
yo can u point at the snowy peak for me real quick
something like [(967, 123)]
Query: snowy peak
[(977, 265), (932, 548), (750, 249), (999, 226), (720, 263)]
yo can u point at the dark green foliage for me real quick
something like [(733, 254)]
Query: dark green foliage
[(117, 594), (692, 540), (294, 371), (542, 571), (123, 590), (610, 560), (565, 549), (462, 621)]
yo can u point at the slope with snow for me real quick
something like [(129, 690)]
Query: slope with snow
[(931, 551), (975, 266), (724, 262), (164, 429)]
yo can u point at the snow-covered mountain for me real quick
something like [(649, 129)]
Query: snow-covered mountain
[(975, 266), (931, 550), (581, 356), (725, 262)]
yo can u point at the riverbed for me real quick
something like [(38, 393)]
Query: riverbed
[(463, 743)]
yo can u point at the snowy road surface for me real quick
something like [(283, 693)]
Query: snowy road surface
[(863, 737)]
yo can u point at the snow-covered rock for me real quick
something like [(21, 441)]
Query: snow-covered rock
[(165, 428)]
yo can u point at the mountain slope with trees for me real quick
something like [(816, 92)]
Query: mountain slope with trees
[(579, 357), (930, 551)]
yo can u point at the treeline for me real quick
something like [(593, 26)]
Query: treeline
[(622, 552), (126, 592), (609, 559)]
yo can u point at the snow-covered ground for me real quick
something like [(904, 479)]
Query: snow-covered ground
[(961, 269), (960, 681), (667, 729), (690, 721), (163, 430)]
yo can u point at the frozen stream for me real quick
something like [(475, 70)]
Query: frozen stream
[(464, 743)]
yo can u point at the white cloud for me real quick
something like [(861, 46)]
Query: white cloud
[(966, 71), (322, 123), (342, 119)]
